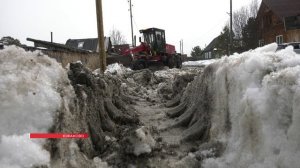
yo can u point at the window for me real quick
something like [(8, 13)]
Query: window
[(261, 43), (206, 55), (292, 22), (279, 39), (149, 38), (298, 19), (158, 35), (80, 44)]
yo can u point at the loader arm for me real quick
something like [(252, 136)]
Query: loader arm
[(143, 47)]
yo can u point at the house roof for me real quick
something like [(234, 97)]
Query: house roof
[(151, 29), (54, 46), (90, 44), (284, 8), (73, 45), (211, 45)]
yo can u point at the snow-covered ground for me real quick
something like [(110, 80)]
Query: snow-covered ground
[(257, 91), (30, 86), (198, 63)]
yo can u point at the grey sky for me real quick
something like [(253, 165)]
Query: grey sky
[(197, 22)]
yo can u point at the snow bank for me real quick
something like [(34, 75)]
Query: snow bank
[(261, 89), (30, 86), (116, 68), (199, 63)]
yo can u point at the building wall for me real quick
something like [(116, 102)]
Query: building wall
[(270, 26), (91, 60), (269, 36), (288, 36), (293, 36)]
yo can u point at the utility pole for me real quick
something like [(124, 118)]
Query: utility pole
[(230, 33), (51, 37), (130, 8), (181, 46), (102, 53)]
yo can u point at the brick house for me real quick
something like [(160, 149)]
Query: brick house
[(278, 21)]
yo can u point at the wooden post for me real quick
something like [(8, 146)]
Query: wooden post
[(102, 52), (130, 8)]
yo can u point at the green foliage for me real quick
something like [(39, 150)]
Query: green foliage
[(196, 51), (247, 41), (245, 35), (7, 40), (223, 41), (249, 33)]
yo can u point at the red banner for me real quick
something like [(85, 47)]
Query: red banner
[(58, 135)]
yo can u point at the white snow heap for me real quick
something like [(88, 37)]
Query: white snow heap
[(116, 68), (199, 63), (98, 163), (144, 142), (30, 86), (261, 89)]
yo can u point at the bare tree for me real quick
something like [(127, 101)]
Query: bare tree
[(253, 8), (241, 16), (240, 19), (117, 37)]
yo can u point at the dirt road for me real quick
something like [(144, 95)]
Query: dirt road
[(169, 151)]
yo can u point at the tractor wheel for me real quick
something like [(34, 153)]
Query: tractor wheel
[(171, 62), (178, 61), (138, 64)]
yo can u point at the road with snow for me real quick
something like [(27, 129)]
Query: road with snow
[(237, 111)]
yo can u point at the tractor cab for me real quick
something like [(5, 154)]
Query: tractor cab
[(155, 38)]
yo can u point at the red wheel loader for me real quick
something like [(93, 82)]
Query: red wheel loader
[(152, 50)]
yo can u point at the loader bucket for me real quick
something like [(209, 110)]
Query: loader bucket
[(121, 59)]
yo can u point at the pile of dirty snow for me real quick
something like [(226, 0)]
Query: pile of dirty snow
[(256, 111), (30, 86)]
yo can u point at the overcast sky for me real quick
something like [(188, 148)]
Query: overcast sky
[(197, 22)]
